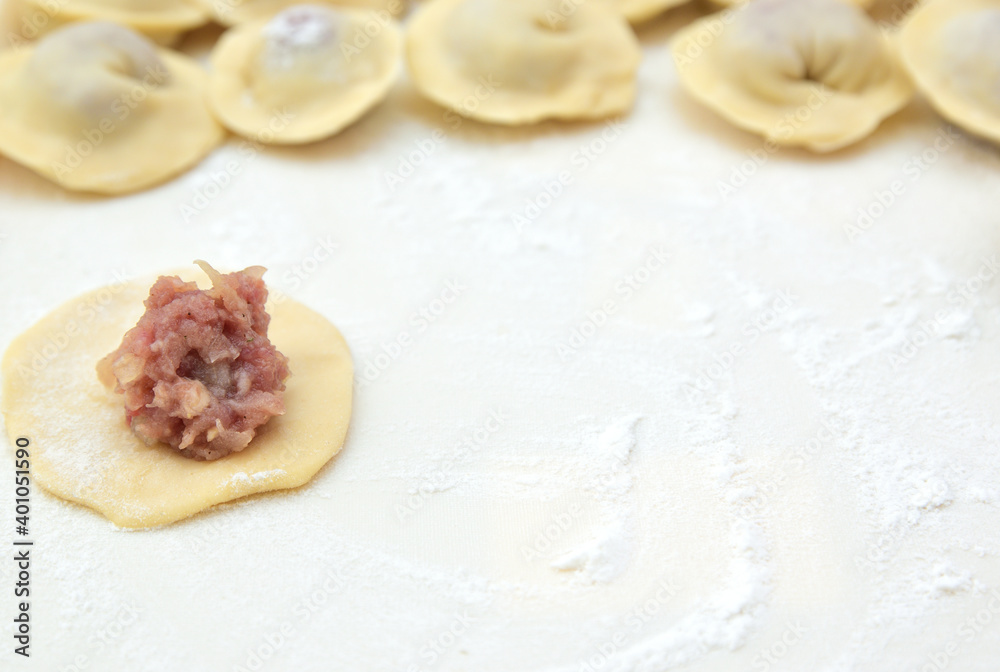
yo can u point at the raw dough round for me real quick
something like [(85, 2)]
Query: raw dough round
[(160, 20), (235, 12), (305, 74), (522, 61), (97, 107), (83, 450), (810, 73), (952, 50)]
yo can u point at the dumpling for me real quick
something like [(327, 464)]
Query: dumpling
[(637, 11), (235, 12), (521, 61), (952, 50), (734, 3), (812, 73), (97, 107), (161, 20), (17, 26), (305, 74)]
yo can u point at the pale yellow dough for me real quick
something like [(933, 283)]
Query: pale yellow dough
[(160, 20), (734, 3), (952, 50), (637, 11), (305, 74), (97, 107), (235, 12), (522, 61), (83, 450), (810, 73)]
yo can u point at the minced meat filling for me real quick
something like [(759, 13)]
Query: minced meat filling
[(198, 371)]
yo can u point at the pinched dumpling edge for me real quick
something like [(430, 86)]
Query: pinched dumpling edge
[(711, 87), (436, 80), (230, 99), (179, 105), (920, 61)]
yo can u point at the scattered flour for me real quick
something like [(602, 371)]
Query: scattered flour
[(601, 559), (243, 477), (900, 459)]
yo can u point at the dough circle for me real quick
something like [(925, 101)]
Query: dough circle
[(808, 73), (95, 127), (311, 96), (523, 61), (952, 51), (83, 451)]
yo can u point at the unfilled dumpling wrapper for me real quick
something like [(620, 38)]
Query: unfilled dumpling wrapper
[(952, 50), (637, 11), (97, 107), (160, 20), (812, 73), (236, 12), (83, 450), (305, 74), (521, 61)]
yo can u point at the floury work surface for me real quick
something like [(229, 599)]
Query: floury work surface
[(648, 424)]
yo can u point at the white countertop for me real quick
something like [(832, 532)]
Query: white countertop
[(522, 491)]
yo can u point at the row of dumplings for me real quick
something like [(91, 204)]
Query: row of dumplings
[(165, 20), (97, 106)]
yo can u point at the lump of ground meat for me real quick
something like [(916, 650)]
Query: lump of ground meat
[(197, 370)]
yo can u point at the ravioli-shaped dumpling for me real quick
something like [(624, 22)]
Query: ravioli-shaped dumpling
[(812, 73), (235, 12), (637, 11), (15, 27), (161, 20), (97, 107), (952, 49), (733, 3), (521, 61), (304, 74)]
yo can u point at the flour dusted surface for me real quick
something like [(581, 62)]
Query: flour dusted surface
[(773, 452)]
